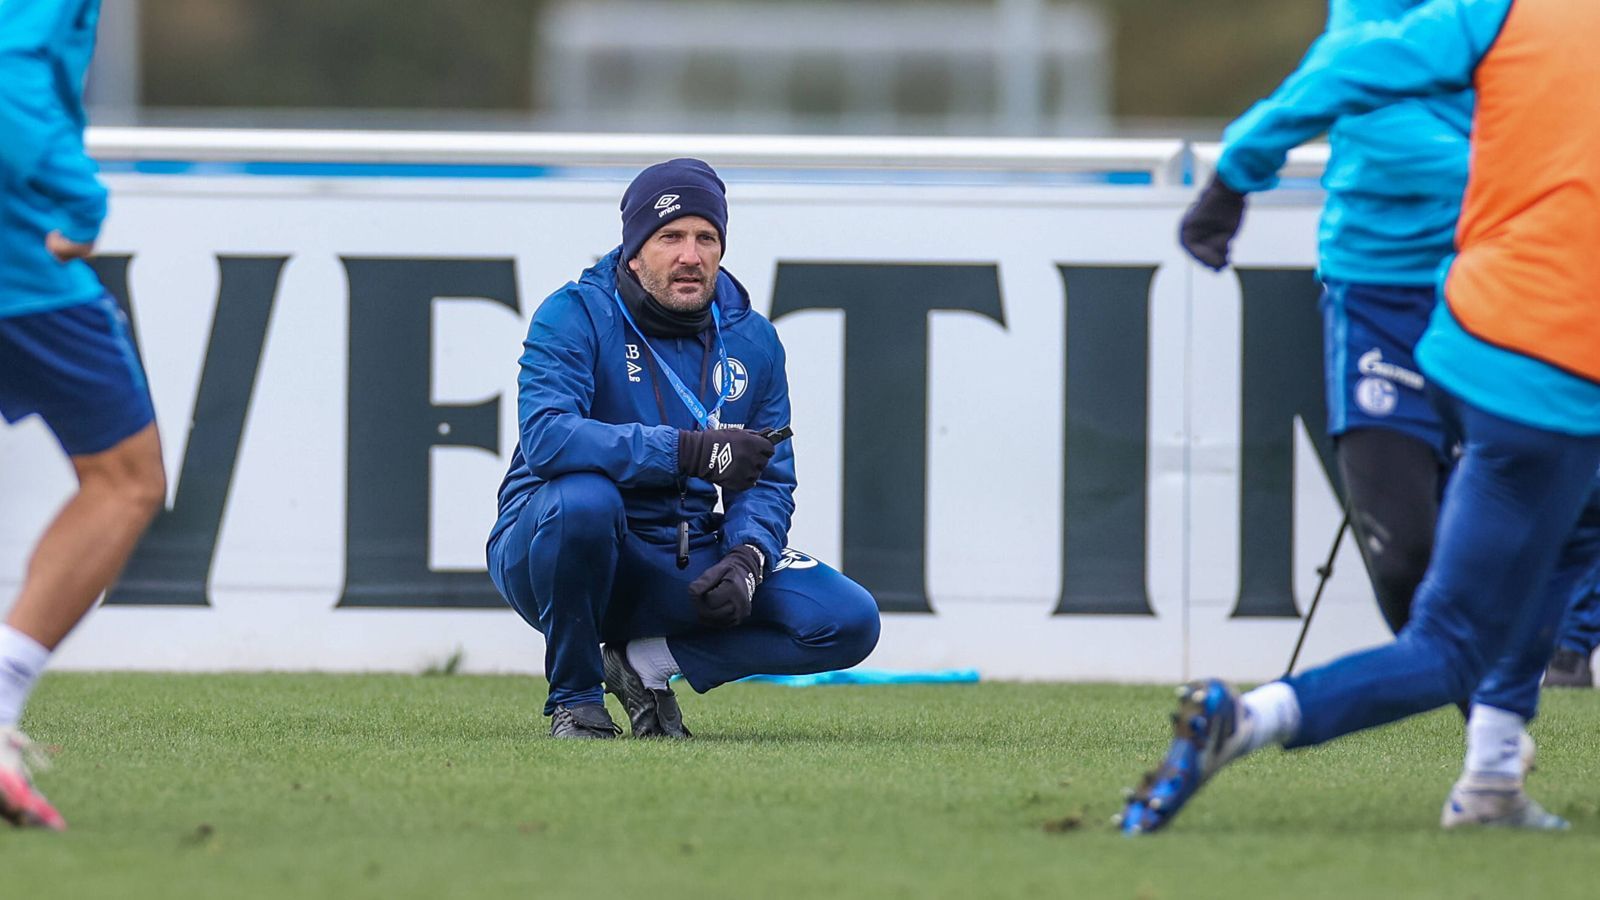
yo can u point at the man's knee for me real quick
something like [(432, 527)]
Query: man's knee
[(131, 471), (861, 628), (854, 624), (1397, 567), (588, 507)]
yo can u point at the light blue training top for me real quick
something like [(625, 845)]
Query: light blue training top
[(47, 181), (1431, 51), (1394, 178)]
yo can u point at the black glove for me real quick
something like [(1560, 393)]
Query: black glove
[(722, 593), (731, 457), (1208, 226)]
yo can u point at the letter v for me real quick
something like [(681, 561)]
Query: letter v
[(172, 564)]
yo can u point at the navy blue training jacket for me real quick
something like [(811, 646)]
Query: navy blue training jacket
[(587, 401)]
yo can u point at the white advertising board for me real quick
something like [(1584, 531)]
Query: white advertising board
[(1084, 451)]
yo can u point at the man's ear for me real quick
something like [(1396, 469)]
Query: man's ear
[(633, 265)]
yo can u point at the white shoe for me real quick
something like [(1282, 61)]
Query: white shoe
[(21, 803), (1496, 801)]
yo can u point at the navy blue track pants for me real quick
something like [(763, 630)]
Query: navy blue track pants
[(572, 568), (1511, 505)]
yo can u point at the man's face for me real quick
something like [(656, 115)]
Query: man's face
[(678, 264)]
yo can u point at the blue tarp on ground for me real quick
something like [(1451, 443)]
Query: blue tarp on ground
[(872, 676)]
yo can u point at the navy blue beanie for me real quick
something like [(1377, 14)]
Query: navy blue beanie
[(667, 191)]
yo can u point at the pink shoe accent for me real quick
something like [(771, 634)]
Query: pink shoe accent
[(22, 805)]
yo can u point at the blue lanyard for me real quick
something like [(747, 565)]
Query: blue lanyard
[(707, 420)]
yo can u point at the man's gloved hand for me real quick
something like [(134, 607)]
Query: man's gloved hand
[(731, 457), (1209, 225), (722, 593)]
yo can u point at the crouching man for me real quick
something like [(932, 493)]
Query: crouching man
[(645, 387)]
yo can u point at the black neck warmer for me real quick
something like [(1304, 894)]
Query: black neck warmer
[(654, 319)]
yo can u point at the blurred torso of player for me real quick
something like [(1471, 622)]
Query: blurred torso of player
[(1394, 179), (46, 119)]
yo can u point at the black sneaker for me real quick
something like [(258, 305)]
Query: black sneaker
[(1569, 668), (652, 713), (584, 721)]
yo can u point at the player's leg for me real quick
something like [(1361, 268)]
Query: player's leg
[(1392, 481), (78, 556), (77, 370), (1578, 637), (1389, 441), (1509, 505), (1513, 683), (1508, 508), (555, 565), (1490, 790), (86, 545)]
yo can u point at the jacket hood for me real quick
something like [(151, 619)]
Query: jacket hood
[(731, 296)]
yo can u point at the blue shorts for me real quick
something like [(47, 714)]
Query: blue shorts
[(1373, 381), (76, 368)]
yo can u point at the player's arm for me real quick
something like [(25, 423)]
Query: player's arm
[(760, 516), (555, 392), (43, 145), (1433, 49)]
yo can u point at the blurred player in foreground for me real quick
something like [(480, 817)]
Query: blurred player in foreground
[(1395, 179), (64, 356), (645, 386), (1512, 351)]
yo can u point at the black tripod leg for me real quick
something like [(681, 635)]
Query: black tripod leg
[(1324, 572)]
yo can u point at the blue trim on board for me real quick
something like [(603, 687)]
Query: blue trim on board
[(456, 170), (322, 169)]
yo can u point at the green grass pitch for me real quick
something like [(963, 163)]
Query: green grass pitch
[(399, 786)]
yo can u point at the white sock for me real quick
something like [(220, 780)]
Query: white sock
[(1271, 716), (22, 659), (653, 661), (1494, 742)]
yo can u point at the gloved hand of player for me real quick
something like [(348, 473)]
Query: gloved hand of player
[(731, 457), (1209, 225), (722, 594)]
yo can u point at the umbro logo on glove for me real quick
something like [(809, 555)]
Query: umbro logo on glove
[(721, 457), (731, 457)]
